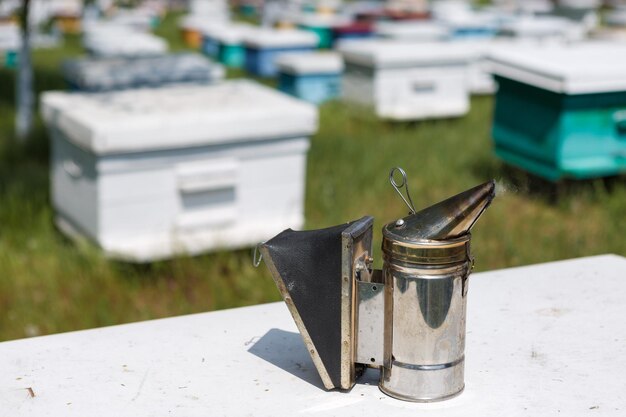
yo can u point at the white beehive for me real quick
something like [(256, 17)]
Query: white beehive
[(151, 173), (109, 40), (412, 31), (543, 28), (407, 81), (9, 36)]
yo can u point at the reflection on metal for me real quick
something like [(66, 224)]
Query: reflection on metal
[(408, 319)]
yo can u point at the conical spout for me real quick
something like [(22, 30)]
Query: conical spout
[(452, 217)]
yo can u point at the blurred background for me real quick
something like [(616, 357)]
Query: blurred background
[(359, 86)]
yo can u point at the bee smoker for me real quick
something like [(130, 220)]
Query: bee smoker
[(408, 319)]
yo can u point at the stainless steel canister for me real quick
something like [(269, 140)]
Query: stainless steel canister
[(425, 304)]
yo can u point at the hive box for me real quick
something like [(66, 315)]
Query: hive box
[(9, 45), (313, 77), (210, 45), (111, 40), (322, 25), (543, 28), (561, 111), (155, 172), (226, 44), (265, 45), (108, 74), (412, 31), (407, 81)]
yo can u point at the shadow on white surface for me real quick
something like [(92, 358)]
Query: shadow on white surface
[(287, 351)]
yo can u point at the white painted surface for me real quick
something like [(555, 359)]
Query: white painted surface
[(155, 172), (543, 340), (310, 63), (591, 67)]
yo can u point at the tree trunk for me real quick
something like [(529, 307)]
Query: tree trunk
[(25, 99)]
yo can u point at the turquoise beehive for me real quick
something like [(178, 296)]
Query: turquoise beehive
[(560, 110), (311, 76)]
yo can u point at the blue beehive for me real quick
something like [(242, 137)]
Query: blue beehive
[(313, 77), (109, 74), (210, 45), (264, 46), (561, 110)]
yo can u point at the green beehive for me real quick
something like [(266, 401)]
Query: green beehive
[(323, 26), (561, 110), (231, 50)]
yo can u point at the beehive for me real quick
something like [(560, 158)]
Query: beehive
[(313, 77), (265, 45), (150, 173), (107, 74), (407, 81), (561, 110)]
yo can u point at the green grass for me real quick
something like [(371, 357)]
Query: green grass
[(49, 284)]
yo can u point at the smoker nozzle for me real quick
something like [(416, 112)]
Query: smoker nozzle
[(449, 218)]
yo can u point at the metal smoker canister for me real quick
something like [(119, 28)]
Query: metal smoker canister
[(426, 265), (425, 299)]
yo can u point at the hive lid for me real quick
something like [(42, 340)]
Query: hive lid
[(279, 38), (537, 26), (177, 117), (393, 54), (310, 63), (590, 67), (231, 34)]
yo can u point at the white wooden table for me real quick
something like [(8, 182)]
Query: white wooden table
[(543, 340)]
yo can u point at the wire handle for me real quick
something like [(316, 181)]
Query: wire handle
[(398, 187), (257, 256)]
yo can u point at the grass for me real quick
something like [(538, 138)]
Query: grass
[(49, 284)]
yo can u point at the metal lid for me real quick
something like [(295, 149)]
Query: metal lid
[(439, 233)]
